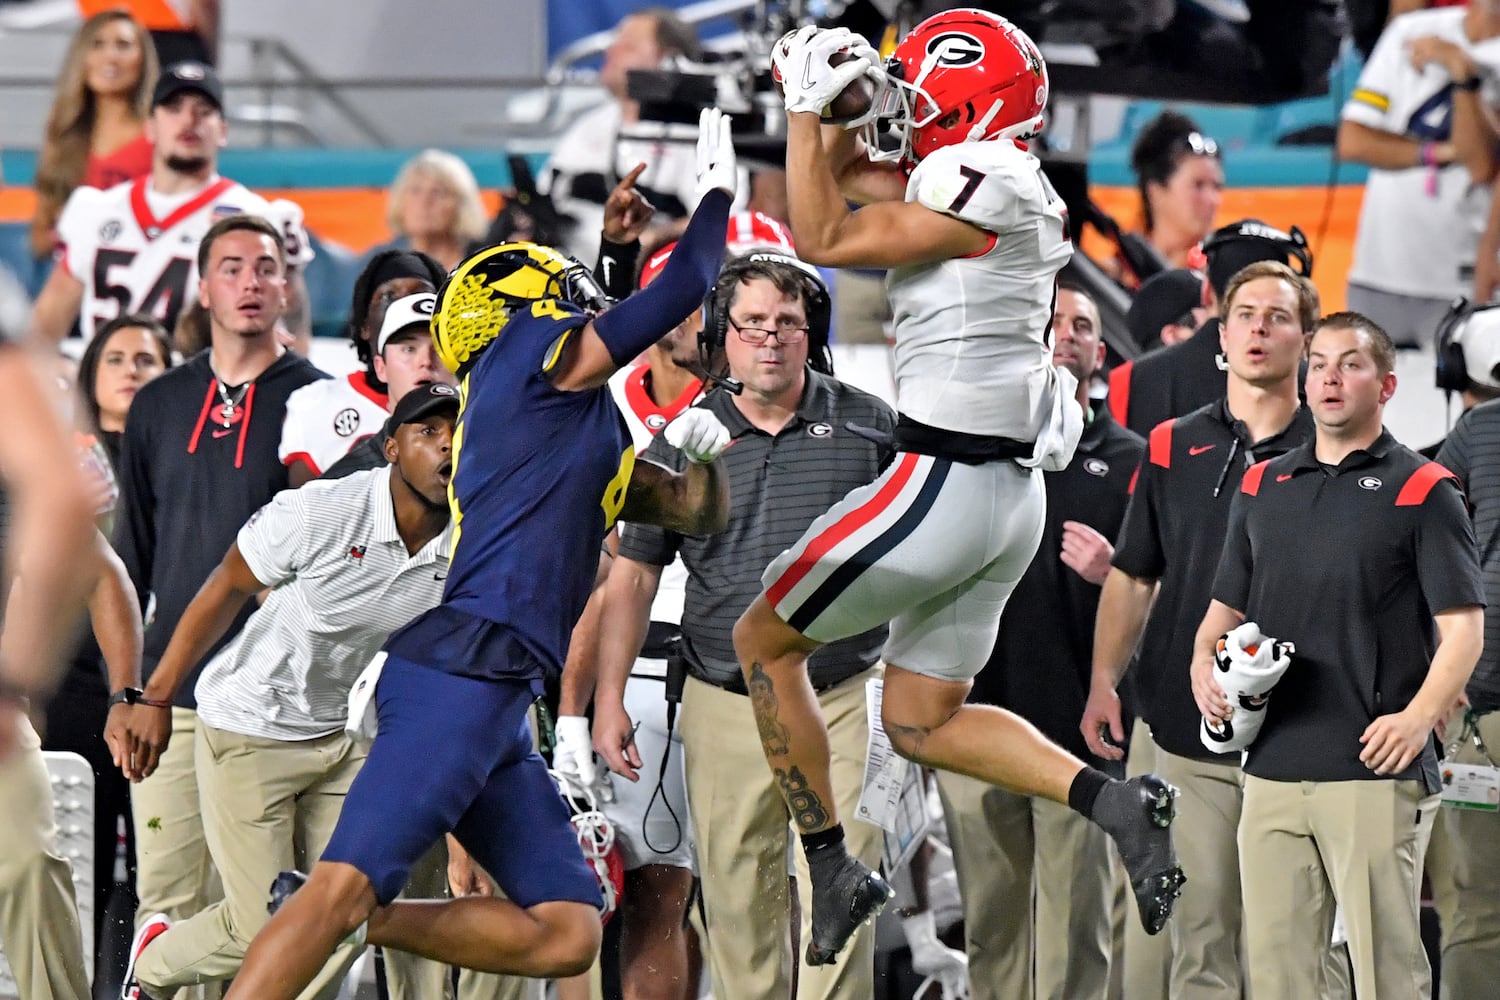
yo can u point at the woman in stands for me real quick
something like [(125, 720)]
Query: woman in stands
[(1180, 177), (435, 208), (96, 130)]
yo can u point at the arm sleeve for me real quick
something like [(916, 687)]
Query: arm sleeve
[(653, 312), (615, 270), (1446, 552), (135, 521), (1232, 581), (1139, 549), (272, 541), (1370, 103)]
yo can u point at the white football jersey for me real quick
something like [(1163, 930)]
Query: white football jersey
[(973, 346), (324, 419), (646, 419), (136, 251)]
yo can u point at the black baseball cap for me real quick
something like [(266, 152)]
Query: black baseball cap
[(421, 403), (1249, 241), (184, 76), (1164, 298)]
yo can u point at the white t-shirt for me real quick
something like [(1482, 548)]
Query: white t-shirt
[(325, 419), (1410, 241), (342, 582), (136, 251), (973, 349)]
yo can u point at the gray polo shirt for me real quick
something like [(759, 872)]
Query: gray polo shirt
[(777, 487), (1472, 453)]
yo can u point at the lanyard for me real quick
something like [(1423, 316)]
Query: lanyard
[(1470, 732)]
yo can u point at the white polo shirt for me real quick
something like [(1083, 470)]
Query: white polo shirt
[(342, 583)]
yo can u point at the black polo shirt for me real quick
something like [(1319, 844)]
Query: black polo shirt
[(777, 487), (1040, 667), (1472, 453), (1168, 382), (1174, 532), (1350, 563)]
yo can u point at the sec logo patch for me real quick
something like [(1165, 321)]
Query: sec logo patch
[(346, 421)]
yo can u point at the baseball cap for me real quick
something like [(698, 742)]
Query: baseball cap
[(1236, 246), (1164, 298), (1480, 340), (746, 231), (407, 311), (421, 403), (184, 76)]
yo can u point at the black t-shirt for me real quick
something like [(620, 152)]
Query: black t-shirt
[(1174, 533), (1041, 667), (1168, 382), (1350, 563)]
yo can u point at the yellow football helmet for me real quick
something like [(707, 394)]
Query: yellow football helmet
[(482, 294)]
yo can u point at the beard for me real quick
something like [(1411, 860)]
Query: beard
[(187, 164)]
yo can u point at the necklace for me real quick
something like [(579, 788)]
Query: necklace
[(226, 411)]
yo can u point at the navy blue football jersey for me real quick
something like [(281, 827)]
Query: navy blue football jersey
[(539, 476)]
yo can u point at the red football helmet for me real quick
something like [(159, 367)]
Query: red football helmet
[(960, 76)]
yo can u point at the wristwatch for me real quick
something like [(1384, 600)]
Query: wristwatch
[(135, 696), (1470, 83)]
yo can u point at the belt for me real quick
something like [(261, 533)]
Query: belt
[(956, 446)]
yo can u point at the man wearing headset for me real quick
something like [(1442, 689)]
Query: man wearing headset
[(1179, 379), (793, 453)]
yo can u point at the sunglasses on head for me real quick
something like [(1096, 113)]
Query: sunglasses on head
[(1201, 145)]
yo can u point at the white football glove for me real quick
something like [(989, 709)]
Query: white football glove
[(716, 161), (800, 62), (933, 959), (1247, 679), (573, 755), (362, 723), (698, 434)]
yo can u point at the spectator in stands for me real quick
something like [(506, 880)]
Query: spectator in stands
[(792, 454), (129, 352), (200, 456), (1178, 379), (96, 130), (181, 30), (1417, 119), (1168, 308), (434, 207), (1034, 875), (1180, 176), (129, 248), (603, 144)]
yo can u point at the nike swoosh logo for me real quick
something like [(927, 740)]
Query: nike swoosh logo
[(1282, 479), (223, 432), (1200, 449), (440, 576), (807, 80)]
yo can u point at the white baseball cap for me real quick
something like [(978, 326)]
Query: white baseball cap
[(408, 311)]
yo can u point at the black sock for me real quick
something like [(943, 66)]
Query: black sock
[(1085, 790), (822, 839)]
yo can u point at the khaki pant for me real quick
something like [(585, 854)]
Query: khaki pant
[(1305, 845), (1205, 929), (1141, 963), (1470, 844), (1010, 848), (39, 927), (743, 831), (268, 806), (411, 977)]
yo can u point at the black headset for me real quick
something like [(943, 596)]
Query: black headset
[(815, 294), (1452, 372), (1294, 242)]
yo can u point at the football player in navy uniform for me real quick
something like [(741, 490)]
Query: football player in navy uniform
[(543, 467)]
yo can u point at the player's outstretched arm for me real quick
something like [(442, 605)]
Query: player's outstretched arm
[(618, 335), (56, 307), (692, 502)]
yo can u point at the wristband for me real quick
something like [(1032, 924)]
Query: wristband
[(135, 696), (1470, 84)]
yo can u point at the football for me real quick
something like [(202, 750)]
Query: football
[(851, 102)]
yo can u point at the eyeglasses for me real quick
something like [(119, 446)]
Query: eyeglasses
[(1201, 145), (785, 335)]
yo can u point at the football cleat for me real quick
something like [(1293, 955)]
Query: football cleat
[(850, 895), (1138, 814), (289, 882), (149, 931)]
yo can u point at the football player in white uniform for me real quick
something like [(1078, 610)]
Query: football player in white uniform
[(133, 248), (972, 236)]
